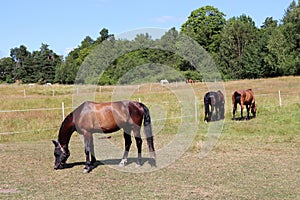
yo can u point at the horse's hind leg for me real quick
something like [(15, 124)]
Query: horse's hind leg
[(218, 115), (242, 108), (93, 157), (234, 110), (139, 142), (206, 110), (211, 118), (127, 138), (89, 148)]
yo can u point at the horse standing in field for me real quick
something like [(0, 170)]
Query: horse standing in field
[(216, 101), (244, 97), (91, 117)]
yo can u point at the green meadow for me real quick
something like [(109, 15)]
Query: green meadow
[(252, 159)]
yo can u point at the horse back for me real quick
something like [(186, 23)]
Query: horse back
[(210, 98), (221, 97), (108, 117), (249, 96), (243, 96)]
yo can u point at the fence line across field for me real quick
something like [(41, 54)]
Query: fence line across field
[(27, 131), (32, 109), (63, 108), (56, 128)]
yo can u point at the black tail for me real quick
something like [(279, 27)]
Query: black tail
[(148, 128), (237, 97), (206, 106)]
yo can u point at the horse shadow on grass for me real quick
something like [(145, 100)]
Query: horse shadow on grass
[(242, 118), (150, 161)]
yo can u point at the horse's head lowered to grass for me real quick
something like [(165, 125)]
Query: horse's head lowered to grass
[(60, 154)]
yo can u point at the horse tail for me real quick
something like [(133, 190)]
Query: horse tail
[(148, 128), (206, 106), (236, 97)]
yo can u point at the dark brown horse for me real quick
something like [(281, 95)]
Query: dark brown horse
[(244, 97), (216, 101), (91, 117)]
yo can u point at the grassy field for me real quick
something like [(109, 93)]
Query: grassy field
[(255, 159)]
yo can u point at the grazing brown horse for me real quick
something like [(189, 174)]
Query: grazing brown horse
[(91, 117), (244, 97), (216, 101)]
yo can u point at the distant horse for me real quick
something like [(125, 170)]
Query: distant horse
[(91, 117), (216, 101), (244, 97), (189, 81)]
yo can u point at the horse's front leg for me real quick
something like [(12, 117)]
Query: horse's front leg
[(127, 138), (89, 149), (139, 142)]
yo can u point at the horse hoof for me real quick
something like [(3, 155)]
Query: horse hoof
[(87, 169), (137, 165), (123, 163)]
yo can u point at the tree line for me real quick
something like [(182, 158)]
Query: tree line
[(239, 49)]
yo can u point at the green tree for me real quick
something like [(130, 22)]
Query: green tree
[(66, 72), (104, 35), (205, 25), (269, 66), (23, 60), (45, 62), (284, 43), (6, 70), (238, 56)]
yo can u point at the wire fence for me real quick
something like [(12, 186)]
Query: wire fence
[(280, 96)]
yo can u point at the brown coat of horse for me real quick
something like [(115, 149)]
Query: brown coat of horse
[(244, 98), (91, 117)]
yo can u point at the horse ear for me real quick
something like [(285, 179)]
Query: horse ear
[(55, 143)]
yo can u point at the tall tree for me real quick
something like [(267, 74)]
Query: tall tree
[(269, 66), (104, 35), (205, 25), (45, 62), (6, 70), (285, 42), (238, 56), (23, 60)]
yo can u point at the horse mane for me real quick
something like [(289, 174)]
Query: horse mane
[(65, 121), (63, 136)]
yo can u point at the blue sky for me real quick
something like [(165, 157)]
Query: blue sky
[(63, 24)]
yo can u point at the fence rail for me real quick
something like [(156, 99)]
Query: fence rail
[(196, 115)]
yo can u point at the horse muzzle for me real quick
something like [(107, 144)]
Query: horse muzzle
[(59, 166)]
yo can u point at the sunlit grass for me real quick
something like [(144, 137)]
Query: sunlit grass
[(252, 159)]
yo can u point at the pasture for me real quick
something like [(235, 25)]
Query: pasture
[(253, 159)]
